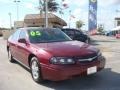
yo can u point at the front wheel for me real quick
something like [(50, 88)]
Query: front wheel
[(35, 70)]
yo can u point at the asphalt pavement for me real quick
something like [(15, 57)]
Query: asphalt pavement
[(14, 77)]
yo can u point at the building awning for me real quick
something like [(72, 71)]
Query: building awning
[(40, 18), (117, 28), (117, 18), (19, 23)]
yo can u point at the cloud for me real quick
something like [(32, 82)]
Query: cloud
[(5, 1), (4, 23), (33, 1), (117, 2), (106, 18), (79, 3), (106, 3), (79, 14), (29, 6)]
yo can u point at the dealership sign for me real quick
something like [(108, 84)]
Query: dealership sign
[(92, 16)]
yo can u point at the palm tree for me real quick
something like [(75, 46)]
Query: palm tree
[(79, 24), (52, 6)]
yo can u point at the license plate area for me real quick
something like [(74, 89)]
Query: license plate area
[(91, 70)]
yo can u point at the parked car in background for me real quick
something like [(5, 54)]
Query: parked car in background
[(1, 33), (76, 35), (51, 55), (117, 35)]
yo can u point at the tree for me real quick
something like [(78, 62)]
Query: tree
[(52, 5), (101, 29), (79, 24)]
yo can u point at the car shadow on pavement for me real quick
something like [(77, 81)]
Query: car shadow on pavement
[(104, 41), (104, 80), (96, 42), (16, 62)]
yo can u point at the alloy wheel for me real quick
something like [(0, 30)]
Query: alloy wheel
[(36, 70)]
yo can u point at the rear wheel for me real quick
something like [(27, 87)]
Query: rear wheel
[(87, 41), (35, 70), (10, 57)]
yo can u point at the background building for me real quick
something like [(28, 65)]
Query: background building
[(117, 21), (38, 20), (18, 24), (115, 30)]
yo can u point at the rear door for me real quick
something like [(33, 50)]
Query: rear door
[(13, 41)]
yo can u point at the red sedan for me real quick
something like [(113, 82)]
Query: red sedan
[(51, 55), (117, 35)]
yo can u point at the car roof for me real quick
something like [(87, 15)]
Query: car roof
[(72, 29), (29, 28)]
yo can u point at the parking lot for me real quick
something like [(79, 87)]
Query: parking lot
[(15, 77)]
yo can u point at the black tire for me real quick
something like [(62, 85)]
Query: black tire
[(36, 70), (10, 57), (87, 41)]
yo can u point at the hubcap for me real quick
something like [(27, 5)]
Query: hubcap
[(35, 70), (87, 41)]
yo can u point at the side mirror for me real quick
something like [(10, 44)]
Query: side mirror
[(22, 41)]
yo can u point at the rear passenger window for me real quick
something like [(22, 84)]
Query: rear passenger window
[(70, 33), (22, 35), (15, 36), (78, 33)]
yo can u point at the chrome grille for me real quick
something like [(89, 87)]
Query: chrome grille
[(87, 58)]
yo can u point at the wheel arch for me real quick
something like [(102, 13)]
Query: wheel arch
[(29, 58), (7, 48)]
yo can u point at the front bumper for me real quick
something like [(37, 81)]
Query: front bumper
[(63, 72)]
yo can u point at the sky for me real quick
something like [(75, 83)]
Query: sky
[(79, 8)]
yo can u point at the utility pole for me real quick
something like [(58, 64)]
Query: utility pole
[(40, 6), (10, 20), (69, 18), (17, 5), (46, 13)]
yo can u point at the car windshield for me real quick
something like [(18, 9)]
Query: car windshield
[(47, 35)]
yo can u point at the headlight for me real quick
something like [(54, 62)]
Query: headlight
[(61, 60), (99, 54), (100, 57)]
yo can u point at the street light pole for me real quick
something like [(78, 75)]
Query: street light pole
[(10, 20), (17, 5), (117, 13), (40, 6), (46, 13), (69, 18)]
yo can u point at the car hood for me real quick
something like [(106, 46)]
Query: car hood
[(69, 48)]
